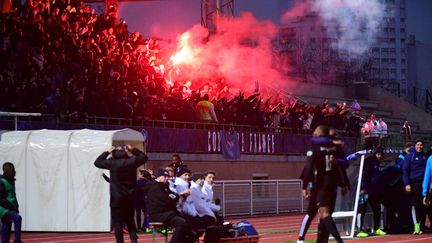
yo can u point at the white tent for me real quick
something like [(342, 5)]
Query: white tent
[(58, 187)]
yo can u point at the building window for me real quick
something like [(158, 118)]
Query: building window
[(384, 60), (384, 49), (402, 20), (393, 70), (403, 70), (403, 61), (403, 40), (392, 50), (393, 60), (402, 30), (403, 50), (375, 49), (392, 40)]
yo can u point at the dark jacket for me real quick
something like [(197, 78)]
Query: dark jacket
[(8, 200), (327, 177), (122, 176), (414, 167), (371, 176), (160, 199)]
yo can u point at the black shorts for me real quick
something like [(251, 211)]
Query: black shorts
[(312, 207), (326, 197)]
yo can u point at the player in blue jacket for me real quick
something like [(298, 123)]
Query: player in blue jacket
[(427, 182), (413, 171)]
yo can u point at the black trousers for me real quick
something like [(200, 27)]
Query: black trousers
[(375, 203), (121, 216), (182, 230)]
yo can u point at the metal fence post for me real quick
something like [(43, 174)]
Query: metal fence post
[(223, 199), (277, 197), (251, 198), (301, 196)]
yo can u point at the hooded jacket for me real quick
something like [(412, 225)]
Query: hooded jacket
[(8, 200)]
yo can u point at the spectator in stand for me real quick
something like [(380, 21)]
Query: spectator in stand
[(413, 170), (406, 131), (354, 124), (374, 131), (206, 110), (383, 130)]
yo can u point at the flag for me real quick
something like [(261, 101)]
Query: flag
[(230, 145), (355, 105)]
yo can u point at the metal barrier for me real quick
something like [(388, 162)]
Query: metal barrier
[(254, 197)]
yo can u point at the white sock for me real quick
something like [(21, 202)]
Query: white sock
[(303, 225), (413, 215)]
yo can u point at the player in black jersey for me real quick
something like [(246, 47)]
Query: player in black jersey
[(309, 190), (324, 159)]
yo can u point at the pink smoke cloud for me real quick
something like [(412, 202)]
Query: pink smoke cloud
[(240, 51)]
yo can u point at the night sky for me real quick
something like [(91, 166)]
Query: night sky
[(168, 18)]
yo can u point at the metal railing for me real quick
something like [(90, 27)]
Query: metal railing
[(255, 197)]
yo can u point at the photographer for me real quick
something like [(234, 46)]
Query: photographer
[(122, 166)]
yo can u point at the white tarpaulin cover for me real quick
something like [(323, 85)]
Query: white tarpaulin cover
[(57, 185)]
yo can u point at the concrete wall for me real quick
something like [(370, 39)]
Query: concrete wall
[(274, 166)]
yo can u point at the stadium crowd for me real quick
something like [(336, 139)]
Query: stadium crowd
[(60, 57)]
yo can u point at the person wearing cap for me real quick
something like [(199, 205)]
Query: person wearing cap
[(182, 182), (122, 166), (413, 172), (162, 207), (371, 186)]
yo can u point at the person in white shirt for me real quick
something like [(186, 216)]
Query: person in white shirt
[(208, 191), (182, 182), (206, 218)]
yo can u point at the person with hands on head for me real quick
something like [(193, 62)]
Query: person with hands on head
[(122, 165), (9, 212)]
